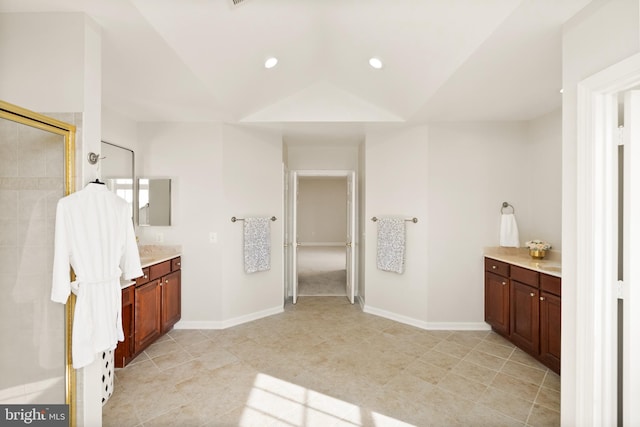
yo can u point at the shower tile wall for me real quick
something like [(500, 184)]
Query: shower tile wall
[(31, 326)]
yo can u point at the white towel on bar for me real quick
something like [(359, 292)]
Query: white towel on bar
[(257, 244), (509, 231), (391, 244)]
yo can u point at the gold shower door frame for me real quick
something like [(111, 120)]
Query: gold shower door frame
[(68, 131)]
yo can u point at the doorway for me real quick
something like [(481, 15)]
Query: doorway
[(320, 234)]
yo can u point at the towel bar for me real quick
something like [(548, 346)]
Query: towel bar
[(414, 219), (234, 219), (507, 205)]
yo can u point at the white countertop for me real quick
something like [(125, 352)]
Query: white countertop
[(551, 264)]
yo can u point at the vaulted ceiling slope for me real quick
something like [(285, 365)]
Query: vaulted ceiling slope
[(195, 60)]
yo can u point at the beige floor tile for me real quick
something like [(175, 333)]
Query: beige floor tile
[(543, 417), (524, 372), (552, 381), (441, 360), (324, 362), (549, 398), (526, 359), (462, 387), (495, 349), (515, 386), (506, 404), (485, 360), (471, 371)]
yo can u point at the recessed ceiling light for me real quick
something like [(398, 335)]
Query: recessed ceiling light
[(375, 63), (271, 62)]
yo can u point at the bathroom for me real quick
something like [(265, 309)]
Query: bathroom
[(452, 176)]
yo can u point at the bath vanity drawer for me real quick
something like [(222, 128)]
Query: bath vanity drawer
[(497, 267), (524, 275), (144, 278), (158, 270), (176, 264), (550, 284)]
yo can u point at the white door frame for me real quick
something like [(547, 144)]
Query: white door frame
[(590, 393), (295, 174)]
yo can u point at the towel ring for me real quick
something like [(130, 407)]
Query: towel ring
[(507, 205)]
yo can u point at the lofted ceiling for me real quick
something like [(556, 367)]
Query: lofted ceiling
[(444, 60)]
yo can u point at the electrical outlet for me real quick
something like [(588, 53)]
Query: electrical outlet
[(213, 237), (159, 237)]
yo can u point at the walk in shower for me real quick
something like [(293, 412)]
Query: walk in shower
[(36, 170)]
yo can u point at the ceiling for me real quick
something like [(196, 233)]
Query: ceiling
[(444, 60)]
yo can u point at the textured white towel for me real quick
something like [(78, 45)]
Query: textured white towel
[(257, 244), (509, 231), (391, 244)]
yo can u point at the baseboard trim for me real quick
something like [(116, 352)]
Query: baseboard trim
[(224, 324), (437, 326)]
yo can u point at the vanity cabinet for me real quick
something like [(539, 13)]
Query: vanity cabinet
[(496, 291), (153, 306), (524, 306)]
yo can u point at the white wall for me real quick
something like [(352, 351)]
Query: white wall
[(601, 35), (397, 180), (472, 169), (252, 176), (322, 210), (544, 174), (195, 167), (322, 157)]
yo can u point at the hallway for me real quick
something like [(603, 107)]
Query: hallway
[(323, 362)]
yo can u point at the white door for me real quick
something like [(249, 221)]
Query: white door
[(631, 266), (352, 237), (292, 241)]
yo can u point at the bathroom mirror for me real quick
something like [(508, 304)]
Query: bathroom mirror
[(154, 201), (117, 167)]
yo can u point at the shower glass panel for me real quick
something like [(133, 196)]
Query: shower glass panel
[(32, 328)]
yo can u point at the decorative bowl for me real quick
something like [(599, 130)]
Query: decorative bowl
[(537, 254)]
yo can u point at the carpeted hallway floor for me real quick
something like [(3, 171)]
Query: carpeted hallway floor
[(322, 271)]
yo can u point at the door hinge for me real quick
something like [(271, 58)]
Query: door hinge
[(620, 140), (620, 286)]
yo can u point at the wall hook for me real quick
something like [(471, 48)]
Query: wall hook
[(93, 158)]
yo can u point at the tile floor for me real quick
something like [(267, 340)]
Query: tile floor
[(323, 362)]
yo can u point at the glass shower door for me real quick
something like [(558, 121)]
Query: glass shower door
[(33, 360)]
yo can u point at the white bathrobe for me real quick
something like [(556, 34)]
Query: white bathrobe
[(94, 234)]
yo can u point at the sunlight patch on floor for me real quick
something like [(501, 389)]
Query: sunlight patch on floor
[(273, 400)]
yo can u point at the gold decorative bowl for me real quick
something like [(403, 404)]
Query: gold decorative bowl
[(537, 254)]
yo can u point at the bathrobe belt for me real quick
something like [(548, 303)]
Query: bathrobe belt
[(75, 285)]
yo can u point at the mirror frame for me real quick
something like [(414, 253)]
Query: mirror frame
[(134, 203), (68, 131)]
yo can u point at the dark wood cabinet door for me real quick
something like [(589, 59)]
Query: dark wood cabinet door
[(147, 314), (496, 302), (525, 317), (171, 300), (550, 327), (125, 349)]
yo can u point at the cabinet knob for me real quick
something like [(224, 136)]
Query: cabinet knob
[(178, 263), (145, 276), (166, 281), (541, 298), (504, 283), (494, 267), (533, 294)]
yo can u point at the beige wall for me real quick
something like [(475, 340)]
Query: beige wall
[(322, 210)]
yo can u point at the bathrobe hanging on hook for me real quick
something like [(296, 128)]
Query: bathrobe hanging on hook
[(94, 234)]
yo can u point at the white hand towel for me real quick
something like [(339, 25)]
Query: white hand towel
[(509, 231), (257, 244), (391, 244)]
